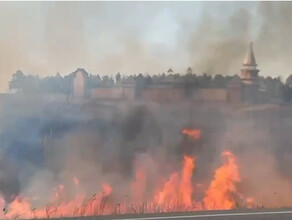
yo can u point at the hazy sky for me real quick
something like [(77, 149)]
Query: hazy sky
[(42, 38)]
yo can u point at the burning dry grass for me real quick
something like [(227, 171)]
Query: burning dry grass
[(176, 193), (222, 191), (194, 134)]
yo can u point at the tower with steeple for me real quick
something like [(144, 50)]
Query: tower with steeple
[(249, 72), (249, 77)]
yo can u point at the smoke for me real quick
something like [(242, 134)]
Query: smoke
[(219, 45), (43, 147), (262, 147), (47, 37), (274, 32), (76, 149), (220, 52)]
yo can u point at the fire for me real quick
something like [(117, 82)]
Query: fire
[(167, 198), (107, 189), (186, 189), (19, 207), (176, 193), (222, 191), (194, 134), (76, 181), (139, 185), (250, 202), (61, 187)]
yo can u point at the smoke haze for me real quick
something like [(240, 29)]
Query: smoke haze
[(42, 38), (46, 147)]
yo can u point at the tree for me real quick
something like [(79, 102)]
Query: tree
[(205, 80), (289, 81), (148, 80), (118, 77), (219, 81), (17, 81), (140, 84)]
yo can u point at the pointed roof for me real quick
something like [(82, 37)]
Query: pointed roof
[(58, 75), (189, 70), (170, 70), (250, 58), (83, 71)]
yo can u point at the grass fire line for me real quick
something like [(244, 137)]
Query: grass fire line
[(174, 195)]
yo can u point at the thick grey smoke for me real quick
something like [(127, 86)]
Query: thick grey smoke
[(105, 38), (55, 143), (275, 30), (219, 44), (219, 48), (45, 146)]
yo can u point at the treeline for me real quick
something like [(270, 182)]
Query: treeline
[(273, 87)]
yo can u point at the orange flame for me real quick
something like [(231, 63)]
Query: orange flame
[(167, 197), (138, 186), (194, 134), (19, 207), (175, 192), (76, 181), (186, 189), (221, 192), (107, 189)]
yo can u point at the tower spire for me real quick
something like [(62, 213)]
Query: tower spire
[(250, 57), (249, 72)]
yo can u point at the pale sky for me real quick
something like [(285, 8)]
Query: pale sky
[(42, 38)]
